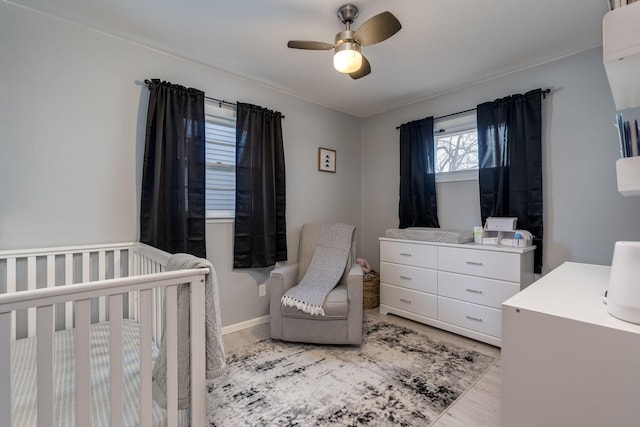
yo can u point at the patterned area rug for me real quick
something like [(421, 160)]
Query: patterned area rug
[(397, 377)]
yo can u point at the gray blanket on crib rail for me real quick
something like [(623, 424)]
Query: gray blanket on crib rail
[(214, 347)]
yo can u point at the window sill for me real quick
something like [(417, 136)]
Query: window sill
[(219, 220), (469, 175)]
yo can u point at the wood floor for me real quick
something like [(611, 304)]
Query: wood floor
[(480, 406)]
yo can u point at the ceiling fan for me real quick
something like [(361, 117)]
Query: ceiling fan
[(347, 57)]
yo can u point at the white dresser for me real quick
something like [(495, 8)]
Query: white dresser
[(565, 360), (456, 287)]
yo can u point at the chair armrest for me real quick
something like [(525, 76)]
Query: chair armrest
[(354, 283), (282, 279), (354, 295), (355, 273)]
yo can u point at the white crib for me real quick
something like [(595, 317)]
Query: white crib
[(45, 290)]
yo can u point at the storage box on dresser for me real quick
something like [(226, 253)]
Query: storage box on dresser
[(456, 287)]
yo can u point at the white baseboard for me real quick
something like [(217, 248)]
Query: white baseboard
[(244, 325)]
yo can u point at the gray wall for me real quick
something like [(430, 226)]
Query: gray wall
[(72, 118), (584, 215)]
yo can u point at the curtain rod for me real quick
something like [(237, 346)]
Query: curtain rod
[(544, 95), (220, 102)]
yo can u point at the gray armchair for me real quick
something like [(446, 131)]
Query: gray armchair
[(342, 322)]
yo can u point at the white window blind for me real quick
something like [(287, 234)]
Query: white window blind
[(220, 130)]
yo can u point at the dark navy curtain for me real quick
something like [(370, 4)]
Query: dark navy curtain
[(260, 234), (510, 162), (418, 204), (172, 207)]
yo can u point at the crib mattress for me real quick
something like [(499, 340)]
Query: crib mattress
[(24, 380), (427, 234)]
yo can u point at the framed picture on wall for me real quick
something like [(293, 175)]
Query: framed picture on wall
[(326, 160)]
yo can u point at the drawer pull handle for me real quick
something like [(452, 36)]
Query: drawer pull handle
[(474, 291), (474, 263), (475, 319), (405, 254), (405, 277), (405, 300)]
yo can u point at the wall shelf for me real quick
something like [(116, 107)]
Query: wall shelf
[(628, 174), (621, 56)]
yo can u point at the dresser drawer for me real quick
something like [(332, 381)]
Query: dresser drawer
[(478, 290), (478, 318), (406, 299), (420, 279), (479, 262), (417, 255)]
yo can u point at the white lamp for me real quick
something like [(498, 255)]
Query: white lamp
[(347, 57), (623, 295)]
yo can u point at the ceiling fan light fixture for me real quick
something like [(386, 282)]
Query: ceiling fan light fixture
[(347, 57)]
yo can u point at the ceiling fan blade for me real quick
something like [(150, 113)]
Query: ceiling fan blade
[(377, 29), (309, 45), (364, 70)]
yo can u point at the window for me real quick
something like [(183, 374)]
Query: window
[(220, 131), (456, 141)]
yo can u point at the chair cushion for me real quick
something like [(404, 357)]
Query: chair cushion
[(336, 306)]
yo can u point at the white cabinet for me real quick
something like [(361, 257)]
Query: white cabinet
[(456, 287), (565, 360)]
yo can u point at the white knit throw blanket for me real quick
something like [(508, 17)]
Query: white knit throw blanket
[(214, 349), (325, 270)]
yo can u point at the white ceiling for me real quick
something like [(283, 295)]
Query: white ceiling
[(443, 44)]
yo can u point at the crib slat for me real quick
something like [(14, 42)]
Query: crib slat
[(198, 365), (116, 263), (86, 267), (6, 332), (68, 280), (45, 365), (136, 265), (159, 310), (159, 313), (102, 265), (51, 277), (157, 324), (31, 284), (171, 331), (83, 363), (102, 301), (146, 363), (115, 359), (11, 287), (132, 266), (51, 271)]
